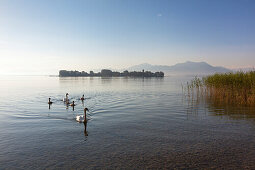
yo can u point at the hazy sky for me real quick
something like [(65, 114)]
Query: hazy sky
[(41, 37)]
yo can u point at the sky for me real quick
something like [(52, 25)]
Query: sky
[(44, 36)]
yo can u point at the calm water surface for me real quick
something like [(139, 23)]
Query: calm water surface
[(134, 123)]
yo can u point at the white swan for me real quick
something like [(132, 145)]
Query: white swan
[(82, 118), (66, 98)]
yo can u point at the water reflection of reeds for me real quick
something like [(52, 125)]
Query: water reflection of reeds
[(232, 111)]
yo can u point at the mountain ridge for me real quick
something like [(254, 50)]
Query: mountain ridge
[(188, 67)]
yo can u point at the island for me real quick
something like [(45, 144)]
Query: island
[(110, 73)]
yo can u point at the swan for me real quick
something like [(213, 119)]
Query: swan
[(66, 98), (50, 102), (82, 118), (73, 104), (82, 98)]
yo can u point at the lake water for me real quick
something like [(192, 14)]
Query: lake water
[(134, 123)]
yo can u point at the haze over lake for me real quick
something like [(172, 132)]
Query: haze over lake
[(134, 123)]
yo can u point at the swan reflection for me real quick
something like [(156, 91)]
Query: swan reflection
[(85, 129)]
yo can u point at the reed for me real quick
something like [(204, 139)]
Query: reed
[(230, 88)]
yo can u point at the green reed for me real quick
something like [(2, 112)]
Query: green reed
[(231, 88)]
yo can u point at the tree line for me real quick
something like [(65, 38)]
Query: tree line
[(110, 73)]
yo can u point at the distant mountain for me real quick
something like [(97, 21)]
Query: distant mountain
[(187, 68)]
